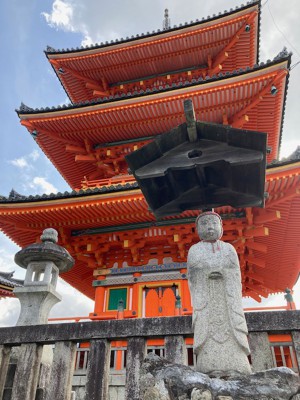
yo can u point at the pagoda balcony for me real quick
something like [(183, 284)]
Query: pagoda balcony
[(117, 180), (98, 369), (162, 81)]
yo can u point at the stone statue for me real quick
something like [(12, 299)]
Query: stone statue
[(220, 330)]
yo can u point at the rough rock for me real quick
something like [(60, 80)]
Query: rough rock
[(162, 380)]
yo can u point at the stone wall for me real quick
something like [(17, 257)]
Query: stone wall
[(116, 386), (100, 334)]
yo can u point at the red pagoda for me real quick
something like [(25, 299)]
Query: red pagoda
[(122, 95)]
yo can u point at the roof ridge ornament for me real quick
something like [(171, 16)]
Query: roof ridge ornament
[(282, 54), (25, 108), (50, 49), (7, 275), (14, 195)]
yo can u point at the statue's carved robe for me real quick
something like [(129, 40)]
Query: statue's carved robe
[(220, 330)]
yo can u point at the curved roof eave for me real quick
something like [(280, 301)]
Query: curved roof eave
[(83, 49), (72, 194), (273, 168), (281, 57), (53, 54)]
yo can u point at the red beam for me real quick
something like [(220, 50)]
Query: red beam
[(257, 289), (250, 244), (100, 92), (256, 261), (254, 277), (239, 123), (87, 157), (257, 99), (284, 196), (57, 65), (252, 294), (57, 137), (266, 216), (256, 231), (75, 149), (224, 53)]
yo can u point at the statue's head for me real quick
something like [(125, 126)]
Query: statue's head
[(209, 226)]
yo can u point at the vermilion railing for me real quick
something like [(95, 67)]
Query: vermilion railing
[(85, 184)]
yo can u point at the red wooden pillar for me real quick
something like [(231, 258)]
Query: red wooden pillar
[(99, 297)]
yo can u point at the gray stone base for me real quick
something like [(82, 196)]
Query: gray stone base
[(162, 380), (116, 388)]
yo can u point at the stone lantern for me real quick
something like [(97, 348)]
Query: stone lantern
[(44, 262)]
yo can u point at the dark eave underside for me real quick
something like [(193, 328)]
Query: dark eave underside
[(114, 119), (281, 57)]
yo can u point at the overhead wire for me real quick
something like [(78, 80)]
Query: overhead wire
[(280, 31)]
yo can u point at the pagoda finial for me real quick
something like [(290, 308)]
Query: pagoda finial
[(166, 21)]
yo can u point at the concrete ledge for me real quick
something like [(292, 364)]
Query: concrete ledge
[(79, 380), (273, 322), (117, 380)]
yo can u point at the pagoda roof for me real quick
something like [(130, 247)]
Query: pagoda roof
[(111, 188), (8, 283), (266, 239), (15, 197), (242, 99), (83, 70)]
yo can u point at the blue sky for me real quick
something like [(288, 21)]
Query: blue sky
[(26, 76)]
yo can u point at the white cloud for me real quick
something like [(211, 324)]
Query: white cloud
[(20, 162), (34, 155), (288, 147), (6, 261), (25, 162), (41, 184), (9, 311), (66, 15), (93, 19), (61, 15), (73, 304)]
